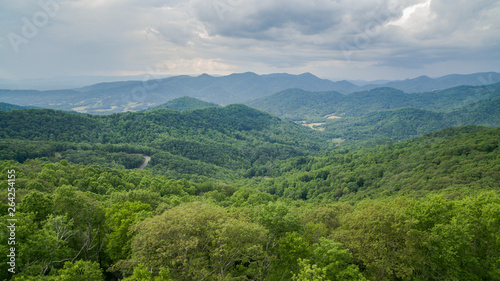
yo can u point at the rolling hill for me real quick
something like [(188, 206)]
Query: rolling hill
[(210, 141), (427, 84), (8, 106), (406, 123), (449, 160), (386, 113), (185, 103), (114, 97), (253, 196), (299, 105)]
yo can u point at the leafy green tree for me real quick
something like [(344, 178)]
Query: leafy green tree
[(47, 248), (457, 239), (278, 219), (377, 234), (88, 217), (141, 273), (291, 248), (80, 271), (39, 203), (25, 229), (313, 232), (197, 241), (310, 272), (335, 261), (119, 217)]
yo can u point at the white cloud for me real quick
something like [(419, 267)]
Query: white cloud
[(420, 10), (325, 37)]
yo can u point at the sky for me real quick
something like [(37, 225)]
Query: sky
[(333, 39)]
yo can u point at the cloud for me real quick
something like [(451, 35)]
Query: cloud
[(219, 36), (258, 19)]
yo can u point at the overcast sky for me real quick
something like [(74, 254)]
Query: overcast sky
[(334, 39)]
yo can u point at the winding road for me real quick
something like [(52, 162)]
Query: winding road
[(146, 161), (143, 165)]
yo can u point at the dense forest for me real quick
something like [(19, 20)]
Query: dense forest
[(185, 103), (209, 142), (7, 106), (297, 104), (464, 158), (233, 193), (406, 123), (386, 113)]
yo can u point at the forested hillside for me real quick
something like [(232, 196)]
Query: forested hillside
[(207, 142), (387, 113), (464, 158), (299, 105), (405, 123), (185, 103), (116, 97), (434, 214), (8, 106), (234, 193)]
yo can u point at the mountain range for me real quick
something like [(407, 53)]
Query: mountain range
[(252, 195), (112, 97), (298, 104), (426, 84)]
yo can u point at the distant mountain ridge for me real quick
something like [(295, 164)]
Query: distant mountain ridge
[(113, 97), (426, 84), (298, 104)]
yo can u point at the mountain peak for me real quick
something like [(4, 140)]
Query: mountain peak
[(185, 103), (423, 77), (308, 74)]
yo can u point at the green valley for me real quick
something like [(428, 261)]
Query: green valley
[(207, 142), (396, 186)]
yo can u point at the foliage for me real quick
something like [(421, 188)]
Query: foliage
[(458, 159), (214, 141), (256, 198), (401, 124), (185, 103), (298, 104), (197, 241)]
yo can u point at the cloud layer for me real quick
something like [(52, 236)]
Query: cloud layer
[(335, 39)]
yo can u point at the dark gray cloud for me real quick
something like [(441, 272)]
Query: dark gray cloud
[(257, 19), (330, 38)]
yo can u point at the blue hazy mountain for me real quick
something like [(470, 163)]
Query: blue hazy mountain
[(134, 95)]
